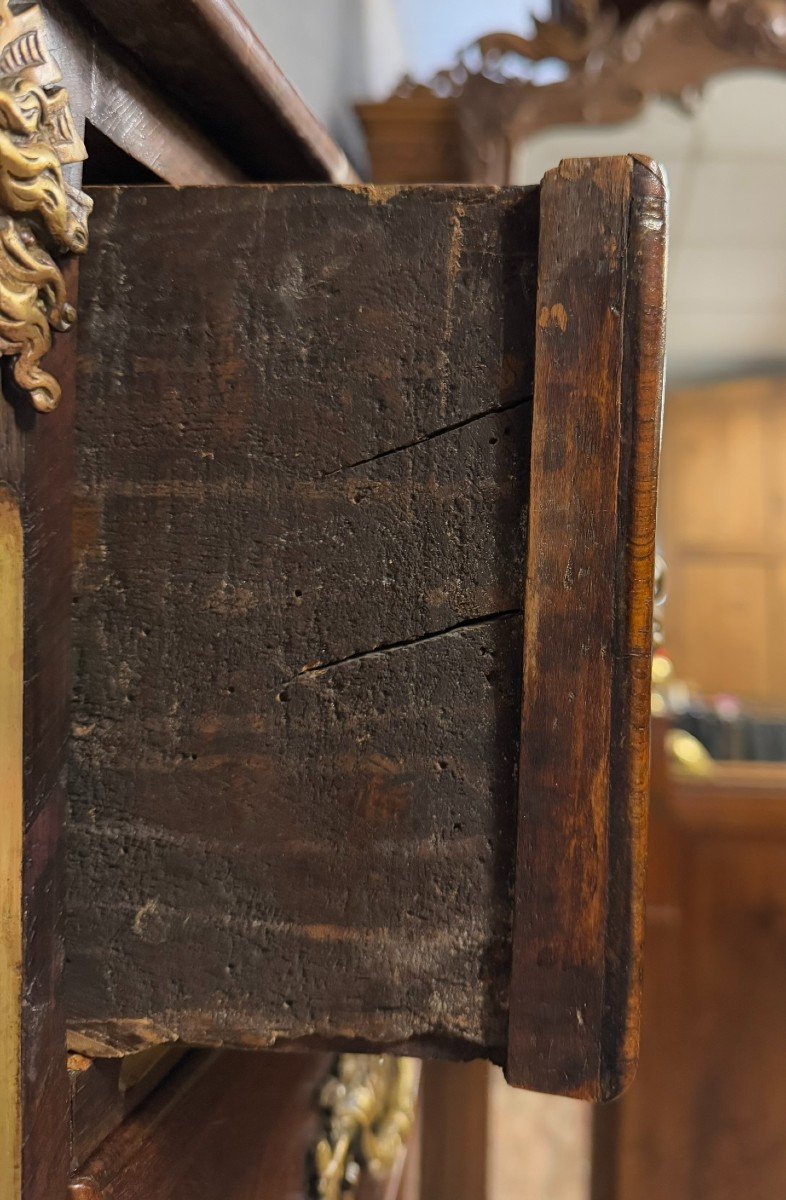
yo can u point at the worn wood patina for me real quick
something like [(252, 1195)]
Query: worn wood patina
[(300, 551)]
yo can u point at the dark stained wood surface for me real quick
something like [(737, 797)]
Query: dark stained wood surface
[(110, 92), (36, 468), (224, 1124), (641, 409), (293, 775), (588, 628), (455, 1131), (36, 465), (304, 456), (48, 483), (36, 462), (103, 1092), (207, 58)]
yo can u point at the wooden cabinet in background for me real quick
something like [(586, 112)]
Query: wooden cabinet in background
[(722, 527), (704, 1117)]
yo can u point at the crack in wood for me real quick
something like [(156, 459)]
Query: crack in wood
[(428, 437), (470, 623)]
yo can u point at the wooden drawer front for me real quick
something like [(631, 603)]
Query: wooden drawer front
[(312, 481)]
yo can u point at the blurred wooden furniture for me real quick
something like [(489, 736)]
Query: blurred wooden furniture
[(463, 124), (722, 526), (307, 451), (705, 1115), (454, 1131)]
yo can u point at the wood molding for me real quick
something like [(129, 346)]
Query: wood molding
[(206, 56), (578, 914), (112, 92)]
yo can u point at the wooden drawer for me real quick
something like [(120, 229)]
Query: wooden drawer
[(353, 749), (363, 561)]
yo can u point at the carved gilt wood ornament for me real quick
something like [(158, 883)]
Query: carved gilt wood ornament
[(40, 214), (368, 1109)]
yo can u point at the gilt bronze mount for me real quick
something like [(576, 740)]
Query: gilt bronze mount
[(41, 216), (368, 1109)]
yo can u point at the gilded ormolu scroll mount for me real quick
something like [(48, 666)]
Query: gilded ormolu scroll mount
[(40, 214), (368, 1109)]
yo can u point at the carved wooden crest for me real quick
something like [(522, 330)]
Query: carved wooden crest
[(40, 214), (464, 123)]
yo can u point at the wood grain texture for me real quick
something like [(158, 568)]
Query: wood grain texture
[(300, 545), (207, 58), (111, 92), (298, 584), (103, 1092), (723, 532), (223, 1124), (587, 629), (47, 515), (454, 1145)]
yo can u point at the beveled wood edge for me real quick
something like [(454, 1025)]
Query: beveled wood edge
[(196, 1098), (46, 501), (616, 1052), (642, 410), (234, 123), (104, 1092), (561, 866), (36, 471), (105, 89), (266, 79)]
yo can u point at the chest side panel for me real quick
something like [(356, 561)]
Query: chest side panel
[(303, 461)]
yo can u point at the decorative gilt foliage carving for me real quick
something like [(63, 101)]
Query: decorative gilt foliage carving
[(368, 1109), (40, 214)]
